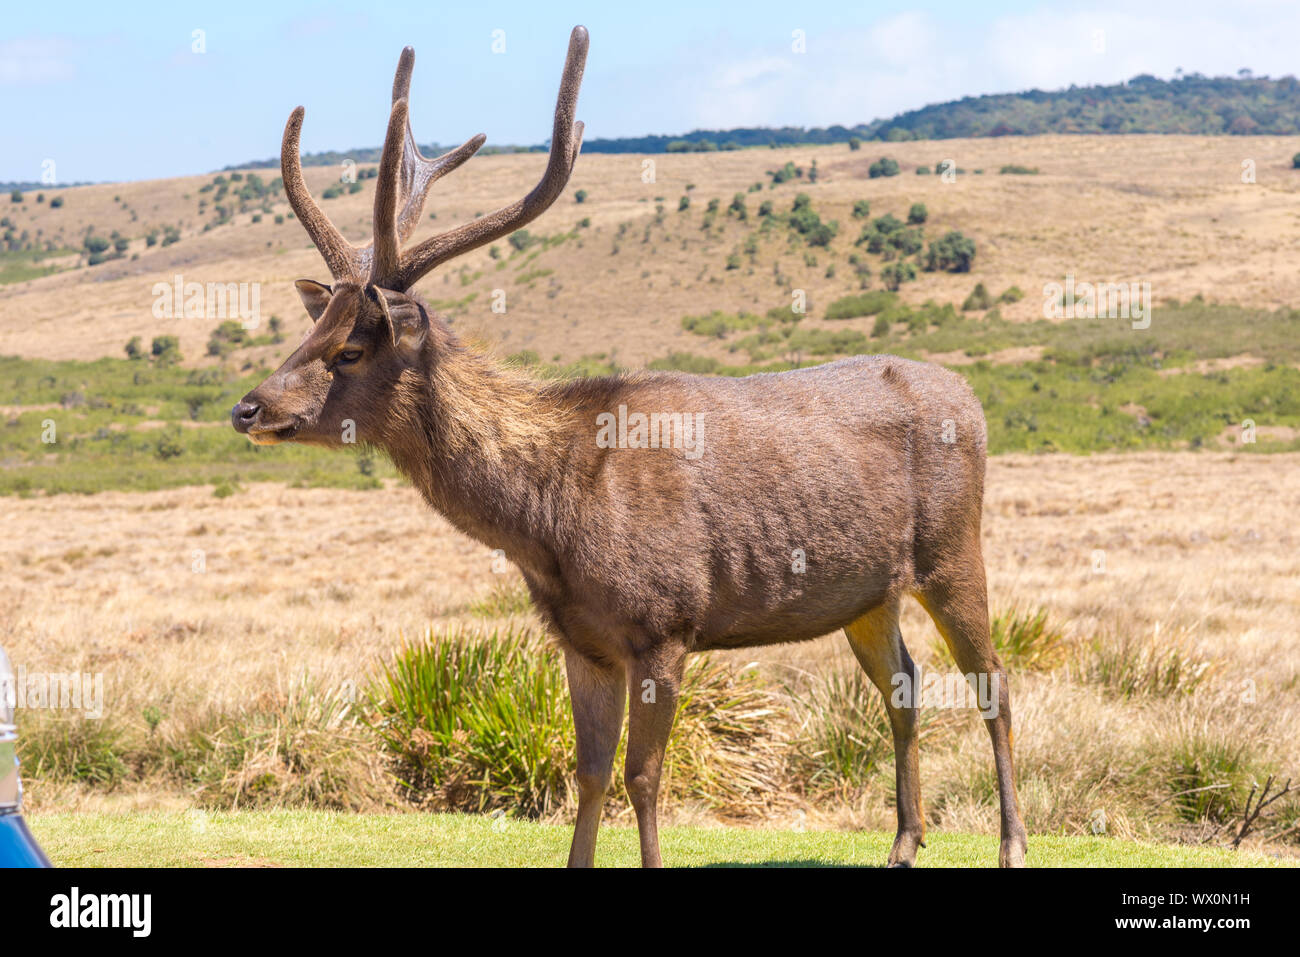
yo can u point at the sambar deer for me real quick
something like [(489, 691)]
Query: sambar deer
[(773, 508)]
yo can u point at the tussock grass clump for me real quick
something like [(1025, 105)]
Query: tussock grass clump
[(728, 748), (295, 746), (60, 747), (1204, 760), (1127, 666), (844, 736), (1024, 641), (478, 720), (844, 732), (303, 746)]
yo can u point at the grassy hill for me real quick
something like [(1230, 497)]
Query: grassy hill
[(694, 271), (1191, 103)]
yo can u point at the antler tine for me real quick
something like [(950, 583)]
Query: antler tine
[(566, 141), (344, 260), (405, 176), (387, 244), (418, 172)]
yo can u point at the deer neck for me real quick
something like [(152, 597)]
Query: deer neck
[(487, 448)]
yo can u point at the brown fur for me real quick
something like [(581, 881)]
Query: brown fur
[(819, 498)]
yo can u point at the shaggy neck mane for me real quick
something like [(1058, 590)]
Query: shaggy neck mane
[(486, 447)]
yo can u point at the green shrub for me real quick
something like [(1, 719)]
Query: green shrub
[(865, 304), (978, 299), (168, 445), (917, 214), (1015, 169), (804, 220), (785, 174), (883, 167), (580, 196), (953, 253), (887, 224), (784, 315), (895, 274), (861, 209), (719, 324), (228, 337), (685, 362), (1011, 294), (166, 350), (907, 241)]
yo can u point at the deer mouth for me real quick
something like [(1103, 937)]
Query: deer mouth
[(272, 436)]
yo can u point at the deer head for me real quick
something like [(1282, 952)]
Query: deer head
[(372, 338)]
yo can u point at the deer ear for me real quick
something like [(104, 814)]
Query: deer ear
[(315, 296), (406, 320)]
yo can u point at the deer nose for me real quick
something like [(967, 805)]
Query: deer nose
[(244, 415)]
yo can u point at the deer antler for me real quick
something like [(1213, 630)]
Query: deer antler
[(405, 177)]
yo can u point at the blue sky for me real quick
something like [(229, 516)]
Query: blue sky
[(114, 91)]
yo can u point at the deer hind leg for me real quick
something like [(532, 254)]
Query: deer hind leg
[(654, 680), (878, 645), (597, 693), (957, 599)]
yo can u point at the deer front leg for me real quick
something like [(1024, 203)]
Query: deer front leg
[(597, 693), (654, 680)]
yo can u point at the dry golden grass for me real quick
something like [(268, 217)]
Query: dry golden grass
[(1199, 555)]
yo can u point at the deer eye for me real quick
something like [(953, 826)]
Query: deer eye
[(348, 356)]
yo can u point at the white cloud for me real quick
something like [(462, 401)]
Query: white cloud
[(909, 60)]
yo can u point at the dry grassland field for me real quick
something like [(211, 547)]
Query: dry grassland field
[(243, 604)]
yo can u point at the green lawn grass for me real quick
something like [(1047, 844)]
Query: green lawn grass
[(326, 839)]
